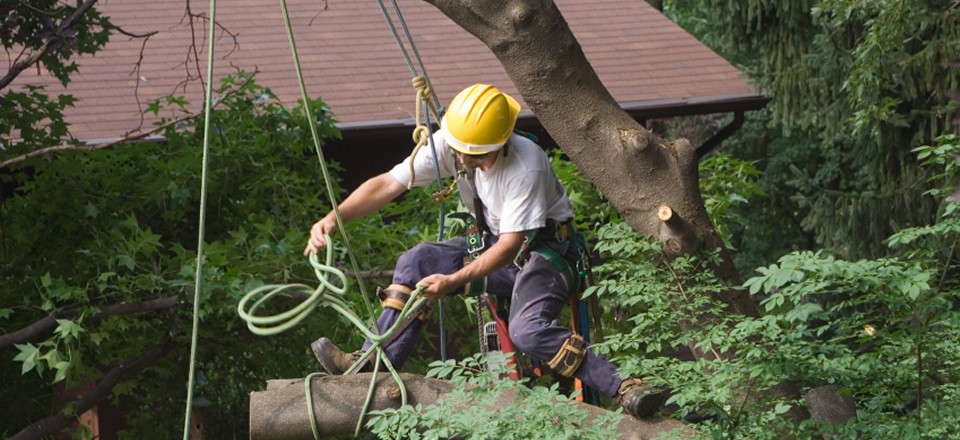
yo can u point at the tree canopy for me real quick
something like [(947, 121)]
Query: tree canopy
[(856, 85)]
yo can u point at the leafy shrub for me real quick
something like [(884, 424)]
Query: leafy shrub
[(885, 330), (481, 390)]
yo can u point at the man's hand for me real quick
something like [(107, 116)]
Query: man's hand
[(324, 226), (438, 286), (499, 255)]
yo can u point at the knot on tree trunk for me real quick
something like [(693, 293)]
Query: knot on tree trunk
[(521, 16), (634, 140)]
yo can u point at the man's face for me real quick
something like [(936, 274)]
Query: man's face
[(472, 161)]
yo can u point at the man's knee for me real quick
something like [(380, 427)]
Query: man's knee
[(413, 255), (525, 334)]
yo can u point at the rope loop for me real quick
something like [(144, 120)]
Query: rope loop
[(422, 132), (273, 324)]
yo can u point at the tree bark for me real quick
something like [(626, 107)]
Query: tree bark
[(280, 412), (49, 322)]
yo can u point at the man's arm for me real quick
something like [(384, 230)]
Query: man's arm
[(499, 255), (369, 197)]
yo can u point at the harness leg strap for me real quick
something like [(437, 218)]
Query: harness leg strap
[(395, 296), (570, 356)]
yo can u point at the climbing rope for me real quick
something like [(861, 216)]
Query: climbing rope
[(198, 276), (319, 296), (273, 324), (419, 74), (403, 48), (422, 133)]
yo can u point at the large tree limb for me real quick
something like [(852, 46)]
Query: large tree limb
[(280, 412), (49, 322), (101, 391), (635, 170)]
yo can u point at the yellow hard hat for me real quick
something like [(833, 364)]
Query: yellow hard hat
[(479, 120)]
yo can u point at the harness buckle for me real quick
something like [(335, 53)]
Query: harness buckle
[(476, 240)]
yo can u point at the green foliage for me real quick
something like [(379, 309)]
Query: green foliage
[(884, 330), (30, 26), (943, 156), (589, 206), (855, 85), (34, 117), (25, 27), (480, 390), (47, 355), (727, 183), (87, 231)]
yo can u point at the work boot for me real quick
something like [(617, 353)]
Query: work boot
[(639, 400), (333, 360)]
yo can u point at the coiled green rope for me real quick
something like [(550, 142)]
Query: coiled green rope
[(268, 325), (273, 324)]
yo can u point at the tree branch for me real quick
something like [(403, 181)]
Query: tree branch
[(57, 422), (47, 46), (280, 412), (50, 321)]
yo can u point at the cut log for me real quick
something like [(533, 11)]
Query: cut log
[(280, 411)]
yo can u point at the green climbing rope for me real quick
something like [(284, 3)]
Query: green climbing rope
[(202, 222), (273, 324), (317, 297)]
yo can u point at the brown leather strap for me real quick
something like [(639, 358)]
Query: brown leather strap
[(395, 296)]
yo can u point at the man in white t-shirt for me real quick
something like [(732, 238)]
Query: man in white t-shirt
[(522, 209)]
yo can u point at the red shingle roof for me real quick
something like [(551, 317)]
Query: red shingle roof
[(351, 60)]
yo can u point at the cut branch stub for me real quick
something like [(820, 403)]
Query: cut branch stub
[(280, 412), (676, 234), (664, 213)]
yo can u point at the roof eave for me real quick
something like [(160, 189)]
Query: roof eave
[(663, 108)]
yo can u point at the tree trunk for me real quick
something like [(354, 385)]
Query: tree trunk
[(637, 171), (280, 412)]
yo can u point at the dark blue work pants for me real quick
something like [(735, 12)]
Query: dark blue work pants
[(537, 295)]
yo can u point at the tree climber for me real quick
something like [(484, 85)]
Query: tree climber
[(506, 182)]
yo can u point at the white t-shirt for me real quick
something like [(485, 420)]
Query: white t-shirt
[(519, 192)]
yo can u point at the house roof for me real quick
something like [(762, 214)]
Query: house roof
[(351, 60)]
